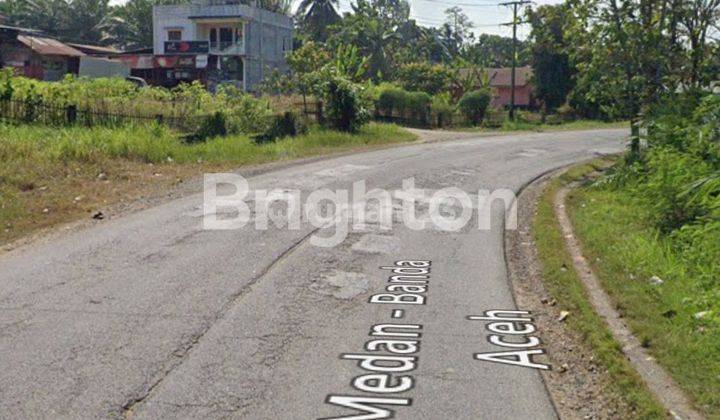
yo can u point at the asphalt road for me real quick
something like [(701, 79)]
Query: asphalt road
[(150, 316)]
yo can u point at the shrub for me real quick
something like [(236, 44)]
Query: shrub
[(669, 175), (474, 105), (418, 105), (424, 77), (344, 105), (392, 100), (565, 112), (442, 109), (287, 124), (213, 125)]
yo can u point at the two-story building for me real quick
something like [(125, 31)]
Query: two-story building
[(220, 41)]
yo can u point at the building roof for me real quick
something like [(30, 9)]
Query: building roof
[(137, 51), (94, 49), (49, 46), (502, 76)]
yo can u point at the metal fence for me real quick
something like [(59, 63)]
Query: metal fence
[(38, 112)]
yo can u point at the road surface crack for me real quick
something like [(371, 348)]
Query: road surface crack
[(180, 355)]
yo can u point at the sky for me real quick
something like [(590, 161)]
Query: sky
[(486, 15)]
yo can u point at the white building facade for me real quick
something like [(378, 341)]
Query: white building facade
[(224, 41)]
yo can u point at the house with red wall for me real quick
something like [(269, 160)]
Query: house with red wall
[(500, 80)]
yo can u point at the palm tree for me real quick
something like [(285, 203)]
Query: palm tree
[(316, 15)]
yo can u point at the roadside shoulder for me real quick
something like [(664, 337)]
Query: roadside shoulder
[(591, 377)]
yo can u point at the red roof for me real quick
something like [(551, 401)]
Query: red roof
[(502, 76), (48, 46)]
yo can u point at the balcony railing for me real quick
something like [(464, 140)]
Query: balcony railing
[(228, 48)]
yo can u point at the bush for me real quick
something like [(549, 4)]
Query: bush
[(669, 176), (344, 104), (474, 105), (213, 125), (565, 112), (287, 124), (418, 106), (442, 109), (392, 100), (424, 77)]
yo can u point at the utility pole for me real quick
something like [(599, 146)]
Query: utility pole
[(514, 24)]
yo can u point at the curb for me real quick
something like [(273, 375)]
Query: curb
[(656, 378)]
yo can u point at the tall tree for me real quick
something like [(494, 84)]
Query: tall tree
[(375, 37), (698, 18), (496, 51), (86, 21), (316, 16), (457, 29), (550, 60)]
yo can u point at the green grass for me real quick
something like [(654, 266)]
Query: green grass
[(614, 227), (157, 144), (567, 289), (508, 126), (50, 175)]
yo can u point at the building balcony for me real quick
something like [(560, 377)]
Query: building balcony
[(227, 48)]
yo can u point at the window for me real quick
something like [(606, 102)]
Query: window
[(226, 36), (174, 35)]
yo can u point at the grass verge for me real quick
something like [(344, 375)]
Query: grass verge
[(509, 126), (53, 175), (567, 289), (626, 251)]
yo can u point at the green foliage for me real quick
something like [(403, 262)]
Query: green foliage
[(668, 175), (349, 63), (315, 16), (550, 60), (213, 125), (392, 100), (190, 104), (346, 109), (418, 106), (443, 109), (287, 124), (373, 35), (496, 51), (424, 77), (677, 178), (474, 105)]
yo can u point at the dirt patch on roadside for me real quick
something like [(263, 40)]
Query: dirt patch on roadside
[(577, 383)]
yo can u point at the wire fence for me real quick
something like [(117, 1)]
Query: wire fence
[(179, 119), (38, 112)]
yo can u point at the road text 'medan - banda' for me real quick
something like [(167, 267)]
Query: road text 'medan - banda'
[(393, 348)]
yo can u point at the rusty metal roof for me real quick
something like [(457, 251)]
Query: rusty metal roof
[(49, 46), (94, 49)]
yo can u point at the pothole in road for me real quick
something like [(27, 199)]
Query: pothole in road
[(342, 285)]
